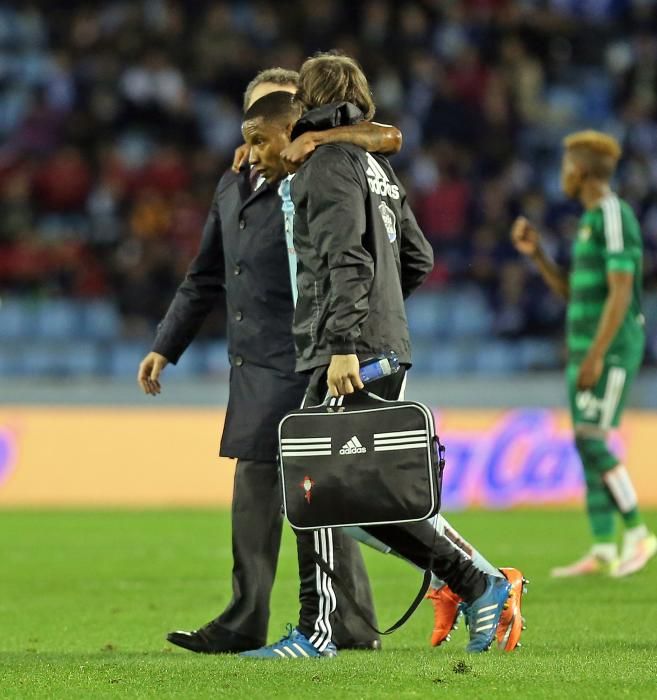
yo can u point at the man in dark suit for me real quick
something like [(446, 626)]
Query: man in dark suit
[(243, 252)]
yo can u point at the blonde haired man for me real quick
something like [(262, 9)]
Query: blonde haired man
[(605, 333)]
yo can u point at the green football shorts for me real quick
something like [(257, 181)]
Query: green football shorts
[(603, 405)]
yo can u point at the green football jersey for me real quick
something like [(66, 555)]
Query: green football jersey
[(608, 239)]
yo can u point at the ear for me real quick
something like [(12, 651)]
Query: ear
[(581, 169), (288, 129)]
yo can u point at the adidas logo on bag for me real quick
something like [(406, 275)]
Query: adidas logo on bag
[(352, 447)]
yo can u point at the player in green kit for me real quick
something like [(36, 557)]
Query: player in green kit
[(606, 337)]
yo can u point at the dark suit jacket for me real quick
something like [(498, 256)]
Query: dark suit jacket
[(243, 252)]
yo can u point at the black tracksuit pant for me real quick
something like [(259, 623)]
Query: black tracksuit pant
[(417, 542), (256, 524)]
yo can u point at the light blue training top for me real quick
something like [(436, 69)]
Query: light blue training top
[(287, 205)]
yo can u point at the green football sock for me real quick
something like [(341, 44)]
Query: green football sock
[(600, 503)]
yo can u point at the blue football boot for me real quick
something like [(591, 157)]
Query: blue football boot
[(294, 645), (483, 614)]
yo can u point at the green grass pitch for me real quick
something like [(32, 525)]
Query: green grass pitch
[(87, 597)]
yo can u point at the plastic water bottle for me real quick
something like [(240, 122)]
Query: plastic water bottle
[(381, 366)]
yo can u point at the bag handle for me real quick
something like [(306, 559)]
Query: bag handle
[(426, 582), (335, 401)]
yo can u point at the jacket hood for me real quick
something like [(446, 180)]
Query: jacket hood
[(327, 117)]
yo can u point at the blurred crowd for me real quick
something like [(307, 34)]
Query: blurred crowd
[(118, 117)]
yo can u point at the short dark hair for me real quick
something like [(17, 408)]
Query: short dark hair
[(278, 76), (277, 105), (333, 77)]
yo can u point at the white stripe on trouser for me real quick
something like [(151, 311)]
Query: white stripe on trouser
[(619, 483), (327, 601), (320, 626), (613, 392)]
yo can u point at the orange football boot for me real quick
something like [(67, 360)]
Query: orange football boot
[(511, 622), (446, 612)]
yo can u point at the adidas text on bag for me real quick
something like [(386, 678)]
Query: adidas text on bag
[(352, 447)]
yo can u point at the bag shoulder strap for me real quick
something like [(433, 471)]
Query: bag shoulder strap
[(426, 582)]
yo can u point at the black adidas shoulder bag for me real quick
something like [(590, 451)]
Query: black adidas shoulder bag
[(373, 462)]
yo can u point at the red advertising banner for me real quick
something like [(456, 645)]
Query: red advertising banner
[(89, 456)]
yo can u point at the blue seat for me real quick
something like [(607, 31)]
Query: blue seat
[(100, 320), (537, 354), (470, 314), (39, 360), (10, 354), (649, 306), (428, 315), (80, 359), (57, 359), (17, 319), (496, 357), (58, 319), (450, 359), (595, 88), (422, 351), (124, 358), (192, 363), (216, 357)]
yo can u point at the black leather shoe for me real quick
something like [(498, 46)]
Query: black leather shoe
[(213, 639), (369, 645)]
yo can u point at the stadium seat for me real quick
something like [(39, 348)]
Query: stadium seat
[(596, 105), (428, 315), (17, 319), (191, 364), (80, 359), (10, 354), (496, 357), (56, 359), (469, 314), (649, 306), (216, 357), (100, 320), (423, 351), (124, 358), (538, 354), (450, 359), (57, 319)]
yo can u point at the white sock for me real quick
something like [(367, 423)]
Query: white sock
[(455, 537), (436, 582), (619, 483), (607, 551), (633, 534)]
